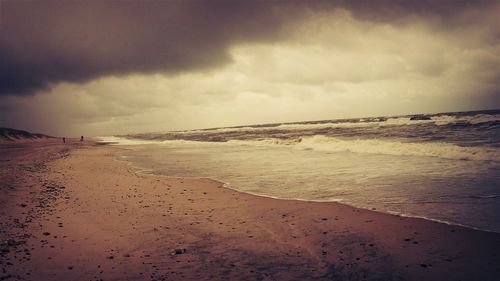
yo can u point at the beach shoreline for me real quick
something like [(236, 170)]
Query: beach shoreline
[(101, 219), (148, 172)]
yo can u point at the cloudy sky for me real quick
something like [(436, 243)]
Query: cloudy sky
[(114, 67)]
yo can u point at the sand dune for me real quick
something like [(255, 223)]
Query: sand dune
[(8, 134)]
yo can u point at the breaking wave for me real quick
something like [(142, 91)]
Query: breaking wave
[(332, 144), (436, 119)]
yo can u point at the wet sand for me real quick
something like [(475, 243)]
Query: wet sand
[(73, 212)]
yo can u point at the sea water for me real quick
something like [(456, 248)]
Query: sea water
[(443, 167)]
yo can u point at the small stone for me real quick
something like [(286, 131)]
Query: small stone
[(180, 251), (11, 242)]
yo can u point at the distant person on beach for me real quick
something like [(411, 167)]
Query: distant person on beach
[(81, 138), (64, 140)]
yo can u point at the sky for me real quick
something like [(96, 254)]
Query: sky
[(99, 68)]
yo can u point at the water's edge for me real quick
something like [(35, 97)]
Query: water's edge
[(150, 172)]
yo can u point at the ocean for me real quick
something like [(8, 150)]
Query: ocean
[(443, 167)]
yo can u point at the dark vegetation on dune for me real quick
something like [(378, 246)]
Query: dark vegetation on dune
[(13, 134)]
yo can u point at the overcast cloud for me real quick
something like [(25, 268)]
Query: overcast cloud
[(108, 67)]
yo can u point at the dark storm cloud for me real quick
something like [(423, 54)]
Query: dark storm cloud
[(46, 42), (52, 41), (397, 10)]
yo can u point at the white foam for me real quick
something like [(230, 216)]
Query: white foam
[(441, 120), (266, 142), (295, 126), (376, 146), (394, 121), (131, 142), (332, 144), (125, 141)]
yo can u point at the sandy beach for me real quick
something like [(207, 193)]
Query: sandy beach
[(74, 212)]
